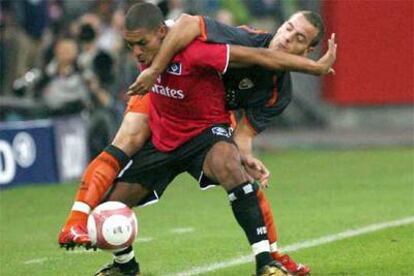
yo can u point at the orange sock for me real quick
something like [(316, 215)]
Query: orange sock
[(97, 178), (268, 217), (96, 181)]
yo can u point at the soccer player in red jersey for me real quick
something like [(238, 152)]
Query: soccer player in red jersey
[(184, 138), (167, 93), (260, 93)]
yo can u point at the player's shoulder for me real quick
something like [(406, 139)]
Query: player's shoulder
[(261, 38), (197, 44), (252, 30), (198, 48)]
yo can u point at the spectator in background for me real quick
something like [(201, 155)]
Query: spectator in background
[(33, 17), (111, 21), (20, 38), (175, 8), (97, 68), (62, 88), (89, 52), (111, 38), (9, 47)]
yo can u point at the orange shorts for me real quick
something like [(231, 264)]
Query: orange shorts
[(138, 104)]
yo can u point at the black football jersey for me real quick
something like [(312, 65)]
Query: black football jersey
[(253, 86)]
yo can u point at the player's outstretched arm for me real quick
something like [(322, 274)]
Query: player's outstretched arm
[(185, 30), (241, 56)]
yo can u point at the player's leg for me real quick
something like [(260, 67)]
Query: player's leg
[(124, 261), (152, 170), (100, 174), (223, 163), (255, 120), (246, 130)]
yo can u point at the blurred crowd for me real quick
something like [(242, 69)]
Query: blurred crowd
[(60, 57)]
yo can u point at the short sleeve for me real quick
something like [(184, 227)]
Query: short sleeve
[(208, 55), (215, 32)]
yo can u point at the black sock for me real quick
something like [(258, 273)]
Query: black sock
[(125, 259), (246, 209), (118, 154)]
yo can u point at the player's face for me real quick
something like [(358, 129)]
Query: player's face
[(294, 36), (145, 44)]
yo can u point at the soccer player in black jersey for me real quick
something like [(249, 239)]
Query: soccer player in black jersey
[(260, 93)]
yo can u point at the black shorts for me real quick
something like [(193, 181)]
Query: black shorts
[(155, 170), (260, 117), (261, 93)]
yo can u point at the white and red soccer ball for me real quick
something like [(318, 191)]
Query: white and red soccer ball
[(112, 226)]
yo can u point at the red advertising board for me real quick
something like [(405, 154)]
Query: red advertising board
[(375, 61)]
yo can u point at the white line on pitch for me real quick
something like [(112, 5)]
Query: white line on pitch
[(36, 261), (182, 230), (300, 245), (144, 239)]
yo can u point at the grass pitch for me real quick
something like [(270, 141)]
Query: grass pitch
[(313, 194)]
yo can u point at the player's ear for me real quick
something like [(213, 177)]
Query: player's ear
[(163, 30)]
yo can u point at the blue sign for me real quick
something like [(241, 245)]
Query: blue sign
[(42, 151)]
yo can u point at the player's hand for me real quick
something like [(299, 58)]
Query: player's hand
[(256, 169), (143, 83), (328, 59)]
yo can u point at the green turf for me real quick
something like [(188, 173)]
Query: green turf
[(313, 193), (386, 252)]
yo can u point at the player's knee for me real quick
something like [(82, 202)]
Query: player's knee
[(225, 164), (224, 155)]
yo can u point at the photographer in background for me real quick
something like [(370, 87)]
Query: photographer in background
[(97, 68)]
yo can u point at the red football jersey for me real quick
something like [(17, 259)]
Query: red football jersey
[(189, 96)]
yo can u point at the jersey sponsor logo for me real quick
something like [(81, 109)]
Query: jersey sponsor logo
[(221, 131), (174, 68), (246, 83), (168, 92)]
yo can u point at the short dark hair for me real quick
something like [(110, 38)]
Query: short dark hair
[(143, 15), (316, 20)]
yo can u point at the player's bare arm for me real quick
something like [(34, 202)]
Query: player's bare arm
[(185, 30), (244, 136), (241, 56)]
